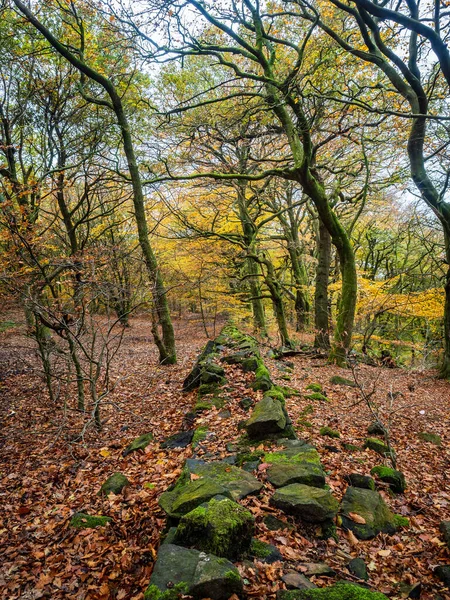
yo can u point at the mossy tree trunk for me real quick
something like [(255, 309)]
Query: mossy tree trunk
[(321, 316)]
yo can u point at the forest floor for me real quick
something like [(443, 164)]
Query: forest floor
[(45, 477)]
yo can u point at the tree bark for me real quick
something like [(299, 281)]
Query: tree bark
[(321, 316)]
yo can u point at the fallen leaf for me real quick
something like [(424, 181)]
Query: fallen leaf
[(357, 518)]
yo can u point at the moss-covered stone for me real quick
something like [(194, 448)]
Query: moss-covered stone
[(309, 503), (84, 521), (200, 434), (192, 572), (139, 443), (401, 521), (378, 446), (276, 393), (114, 484), (339, 591), (394, 478), (361, 481), (274, 524), (236, 481), (212, 374), (357, 567), (301, 454), (262, 378), (352, 447), (281, 474), (432, 438), (376, 428), (264, 552), (338, 380), (206, 389), (178, 440), (317, 397), (184, 498), (329, 432), (221, 527), (246, 457), (369, 505), (314, 387), (268, 417)]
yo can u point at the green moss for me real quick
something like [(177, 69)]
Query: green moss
[(314, 387), (338, 380), (377, 446), (149, 486), (262, 371), (221, 527), (288, 391), (305, 456), (175, 593), (245, 457), (84, 521), (276, 393), (339, 591), (432, 438), (401, 521), (233, 577), (139, 443), (5, 325), (260, 549), (304, 423), (352, 448), (329, 432), (202, 405), (207, 388), (308, 410), (317, 396), (199, 435)]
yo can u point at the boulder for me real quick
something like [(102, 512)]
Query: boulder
[(114, 484), (281, 474), (187, 496), (212, 374), (339, 591), (262, 378), (300, 454), (178, 440), (372, 508), (361, 481), (274, 524), (140, 443), (268, 417), (192, 381), (309, 503), (220, 527), (235, 481), (444, 528), (395, 479), (185, 571)]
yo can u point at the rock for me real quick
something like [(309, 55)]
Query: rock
[(187, 496), (178, 440), (220, 527), (237, 482), (267, 417), (114, 484), (264, 552), (262, 378), (224, 414), (139, 443), (361, 481), (274, 524), (290, 455), (328, 431), (443, 572), (410, 591), (317, 569), (352, 447), (339, 591), (192, 381), (282, 474), (251, 465), (246, 403), (212, 374), (297, 581), (338, 380), (314, 387), (444, 528), (199, 435), (250, 364), (395, 479), (309, 503), (378, 446), (192, 572), (333, 449), (372, 508), (84, 521), (432, 438), (292, 444), (357, 567), (376, 428)]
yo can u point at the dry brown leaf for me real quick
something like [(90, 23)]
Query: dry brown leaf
[(357, 518)]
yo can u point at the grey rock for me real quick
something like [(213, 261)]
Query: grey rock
[(357, 567), (140, 443), (371, 506), (309, 503), (282, 474), (361, 481), (297, 581), (114, 484), (178, 440), (268, 417)]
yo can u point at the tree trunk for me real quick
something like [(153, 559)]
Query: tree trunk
[(321, 316)]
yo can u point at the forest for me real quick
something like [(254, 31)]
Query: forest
[(225, 299)]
